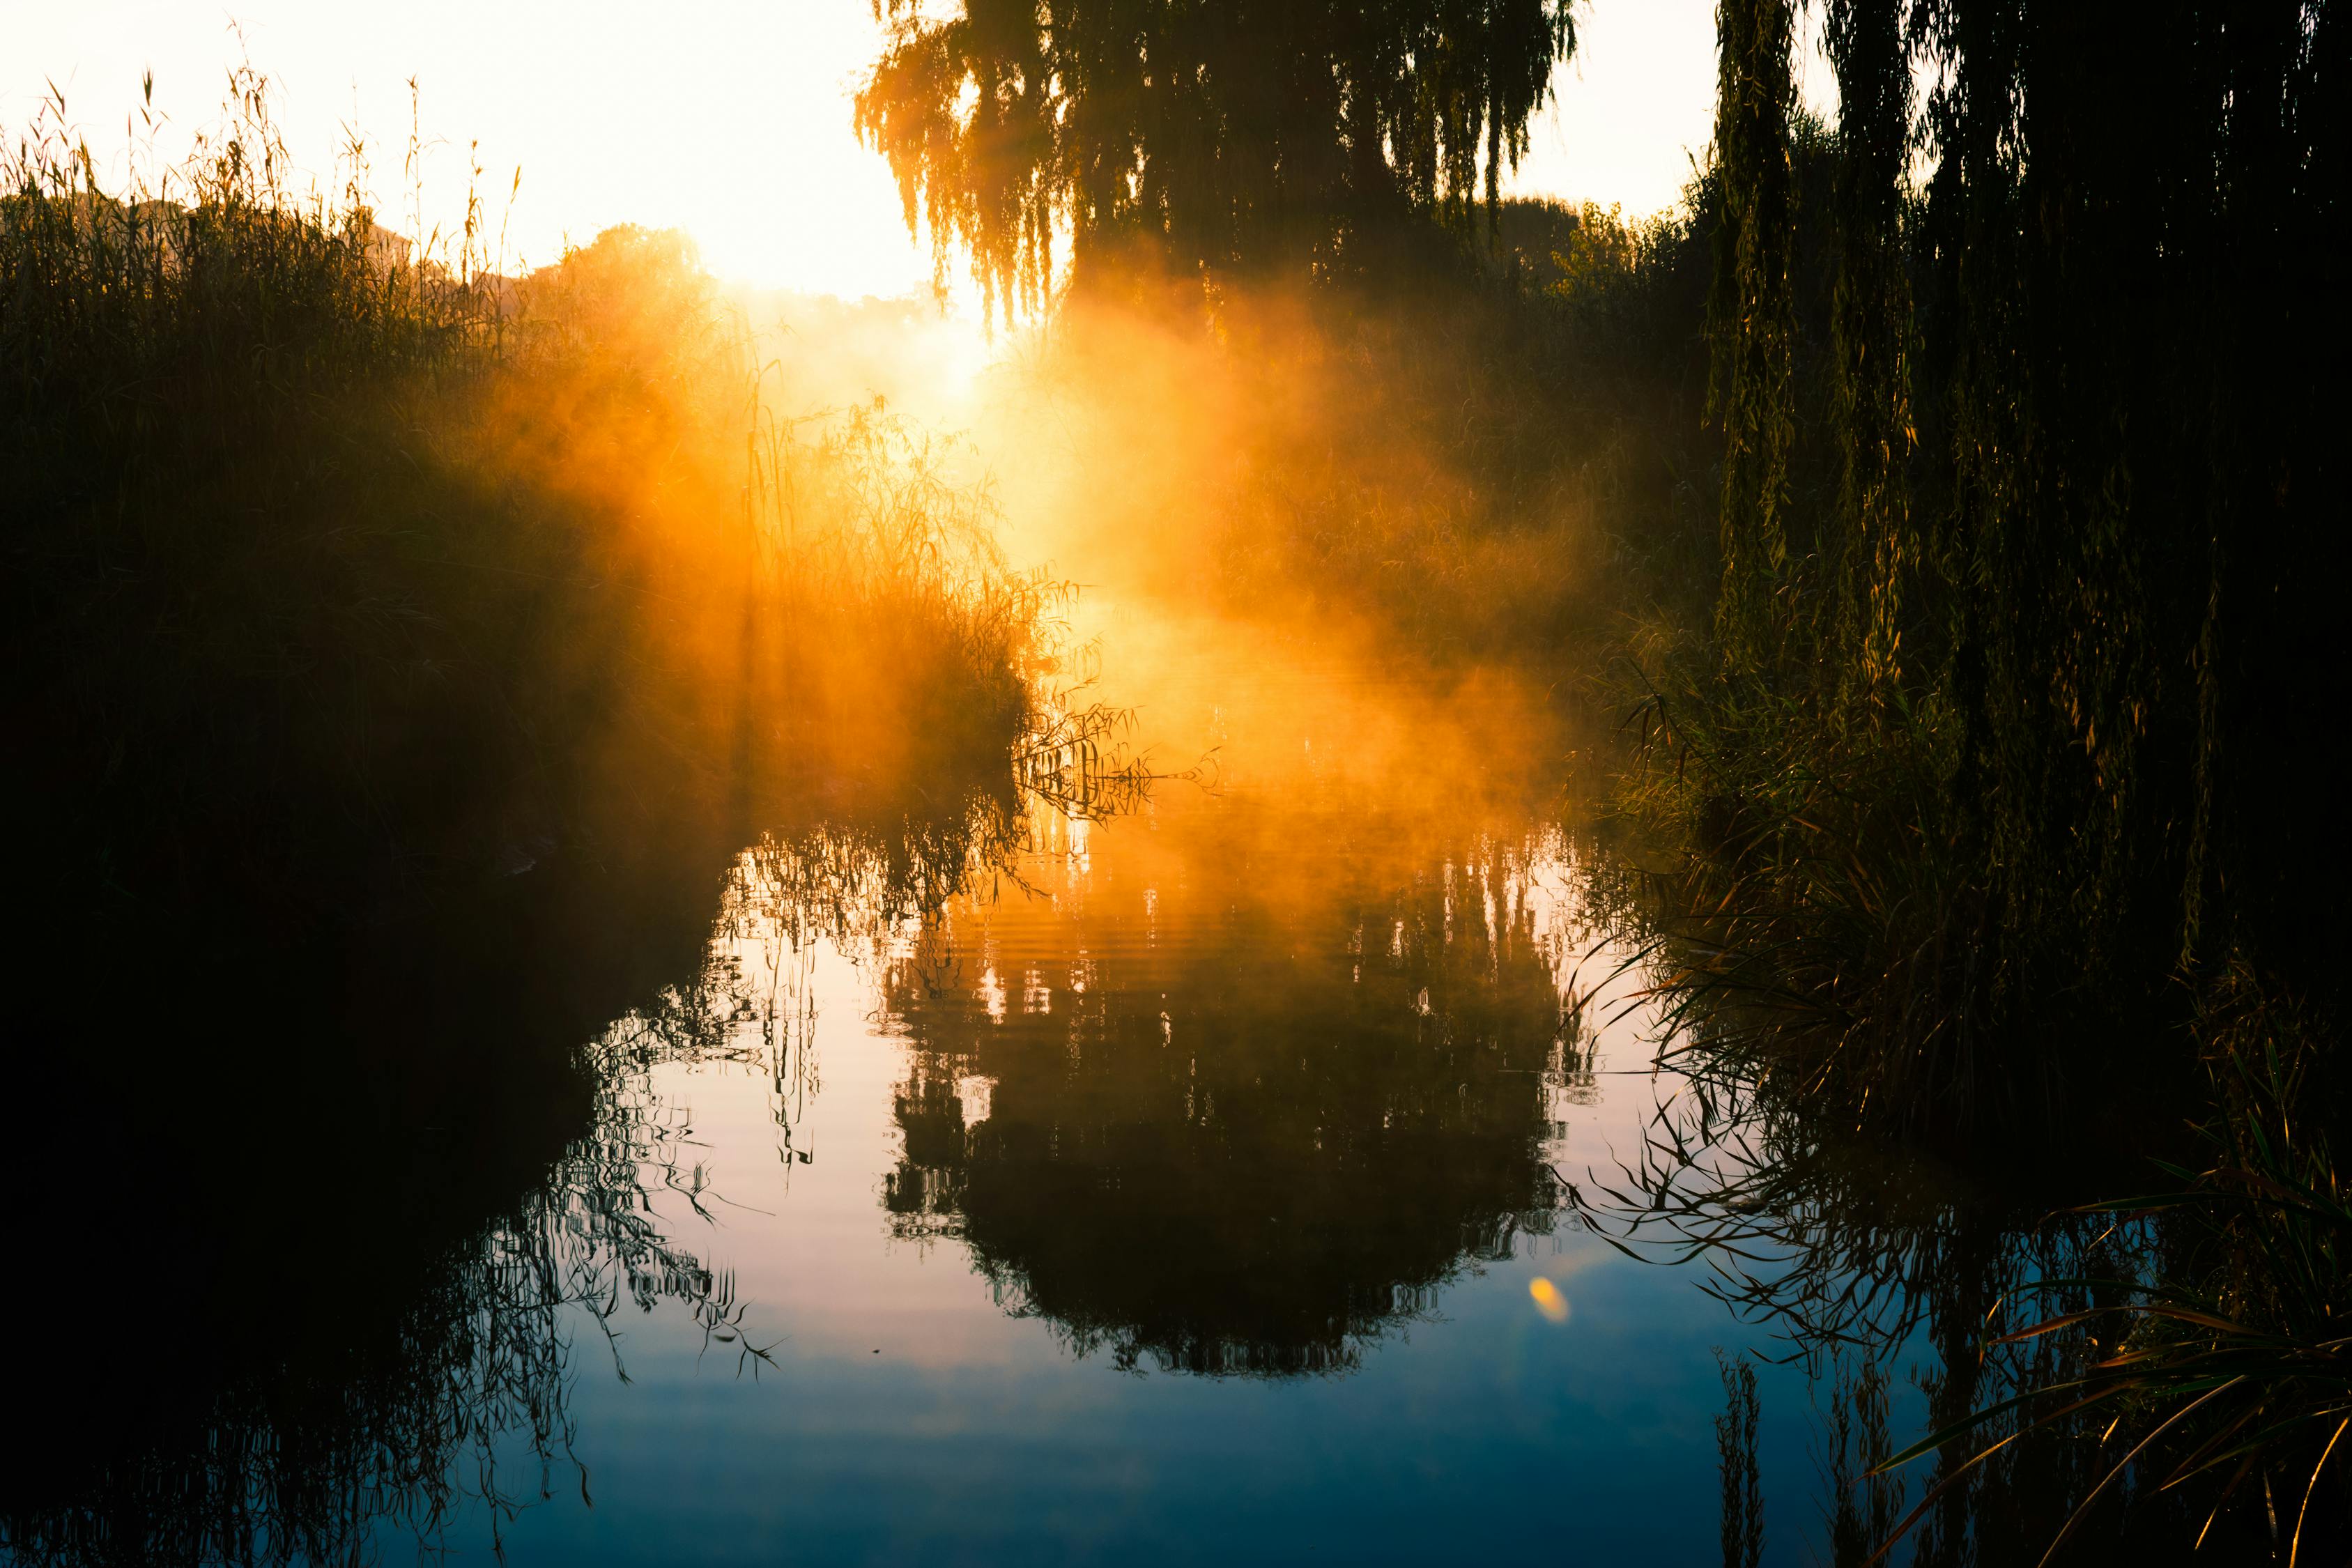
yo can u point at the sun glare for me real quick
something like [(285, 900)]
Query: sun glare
[(728, 119)]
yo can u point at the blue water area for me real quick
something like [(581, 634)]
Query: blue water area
[(1157, 1205)]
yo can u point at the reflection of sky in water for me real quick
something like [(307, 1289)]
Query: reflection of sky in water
[(1559, 1401)]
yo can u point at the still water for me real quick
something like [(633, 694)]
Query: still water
[(1188, 1179), (1189, 1187)]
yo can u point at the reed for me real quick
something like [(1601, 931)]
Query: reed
[(1821, 923), (400, 653), (344, 565)]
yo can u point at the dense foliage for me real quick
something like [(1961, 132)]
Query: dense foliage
[(2023, 374), (428, 564), (1195, 137)]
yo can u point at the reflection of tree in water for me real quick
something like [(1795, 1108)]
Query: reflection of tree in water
[(1223, 1123)]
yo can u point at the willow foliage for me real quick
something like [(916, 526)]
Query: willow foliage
[(1755, 243), (1870, 330), (1199, 136), (2068, 458)]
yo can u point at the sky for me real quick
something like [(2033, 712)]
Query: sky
[(726, 117)]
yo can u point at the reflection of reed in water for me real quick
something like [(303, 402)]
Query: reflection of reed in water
[(1874, 1267), (1742, 1476), (433, 1391)]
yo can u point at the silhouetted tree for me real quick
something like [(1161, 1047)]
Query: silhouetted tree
[(1200, 136)]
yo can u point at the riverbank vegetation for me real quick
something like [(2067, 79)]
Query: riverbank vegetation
[(2026, 560), (400, 653), (2022, 546), (423, 562)]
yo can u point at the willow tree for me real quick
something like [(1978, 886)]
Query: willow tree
[(1200, 136), (2065, 405)]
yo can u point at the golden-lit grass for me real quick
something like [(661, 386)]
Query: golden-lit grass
[(337, 561)]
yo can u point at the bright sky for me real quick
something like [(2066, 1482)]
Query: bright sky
[(1636, 103), (727, 117)]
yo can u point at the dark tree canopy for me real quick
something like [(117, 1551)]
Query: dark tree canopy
[(2039, 450), (1199, 136)]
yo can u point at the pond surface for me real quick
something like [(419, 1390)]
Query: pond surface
[(1189, 1184), (1192, 1187)]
